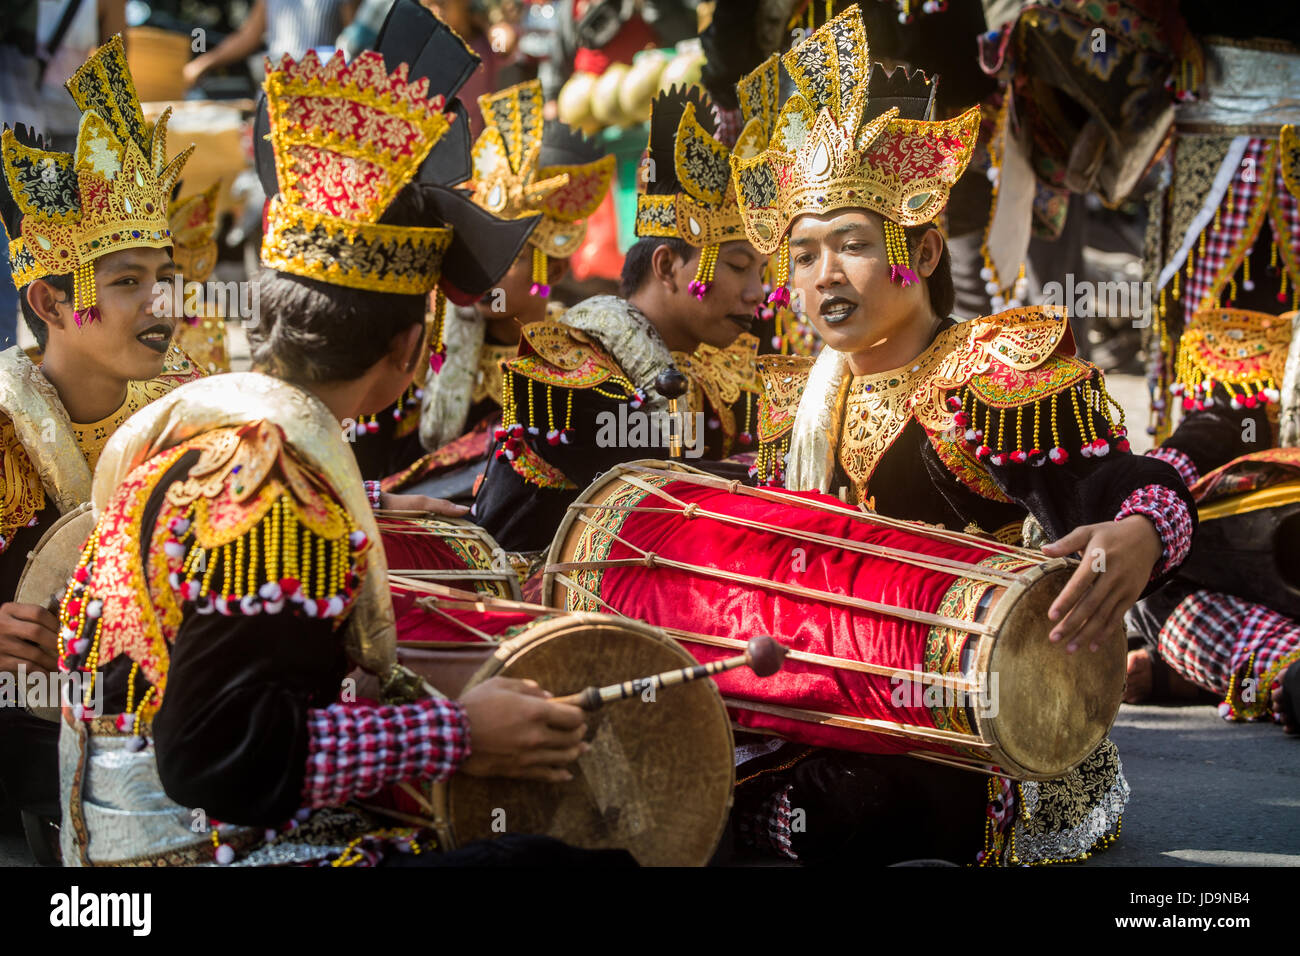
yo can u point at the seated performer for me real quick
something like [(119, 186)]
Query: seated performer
[(1228, 624), (581, 395), (972, 426), (234, 575), (86, 271), (522, 167)]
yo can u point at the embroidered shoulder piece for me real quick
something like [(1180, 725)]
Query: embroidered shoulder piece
[(1033, 415), (783, 378), (726, 380), (554, 354), (553, 359), (1243, 351), (21, 494), (536, 470), (249, 530)]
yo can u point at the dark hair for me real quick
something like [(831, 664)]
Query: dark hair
[(636, 264), (314, 331), (939, 283), (40, 331)]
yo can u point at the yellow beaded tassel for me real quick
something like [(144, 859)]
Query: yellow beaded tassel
[(437, 350), (84, 295), (900, 258), (699, 286), (541, 273)]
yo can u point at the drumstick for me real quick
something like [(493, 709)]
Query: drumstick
[(763, 655)]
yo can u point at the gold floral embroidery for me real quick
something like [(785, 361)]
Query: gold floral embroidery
[(535, 470)]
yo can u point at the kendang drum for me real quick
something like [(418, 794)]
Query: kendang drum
[(657, 780), (903, 637)]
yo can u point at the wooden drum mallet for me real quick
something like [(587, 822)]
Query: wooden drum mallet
[(763, 655)]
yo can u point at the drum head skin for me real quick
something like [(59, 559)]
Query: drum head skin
[(1054, 707), (51, 565), (55, 557), (658, 778)]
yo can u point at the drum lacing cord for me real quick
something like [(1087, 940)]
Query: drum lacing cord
[(769, 494), (907, 614), (693, 509), (835, 663)]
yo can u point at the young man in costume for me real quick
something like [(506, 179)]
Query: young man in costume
[(1228, 624), (522, 167), (88, 242), (235, 576), (1223, 245), (973, 426), (691, 286)]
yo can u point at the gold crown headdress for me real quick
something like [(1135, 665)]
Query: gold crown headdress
[(193, 222), (832, 149), (524, 166), (63, 211), (687, 181), (346, 138)]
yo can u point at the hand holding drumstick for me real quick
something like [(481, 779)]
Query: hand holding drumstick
[(520, 730)]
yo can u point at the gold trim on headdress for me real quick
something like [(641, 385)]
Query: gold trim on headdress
[(110, 194), (703, 210), (193, 222), (823, 156), (347, 138), (510, 183)]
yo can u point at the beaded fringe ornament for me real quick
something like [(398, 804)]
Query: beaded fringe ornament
[(1009, 436), (541, 269), (699, 286), (84, 295), (437, 348), (510, 433), (900, 259)]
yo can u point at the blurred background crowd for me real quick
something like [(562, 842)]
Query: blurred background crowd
[(600, 62)]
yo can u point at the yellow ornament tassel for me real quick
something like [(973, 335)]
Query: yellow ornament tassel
[(84, 296), (780, 296), (437, 350), (699, 286), (541, 269), (900, 259)]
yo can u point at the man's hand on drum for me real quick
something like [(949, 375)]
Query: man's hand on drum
[(517, 731), (29, 636), (1117, 558), (437, 506)]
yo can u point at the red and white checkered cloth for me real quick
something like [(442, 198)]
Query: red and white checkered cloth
[(354, 751), (1234, 215), (1181, 463), (1169, 514), (1211, 636)]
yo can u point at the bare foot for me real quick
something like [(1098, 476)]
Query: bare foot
[(1278, 698), (1137, 687)]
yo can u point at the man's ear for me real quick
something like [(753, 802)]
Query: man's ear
[(45, 301), (404, 349), (663, 264), (557, 269), (929, 253)]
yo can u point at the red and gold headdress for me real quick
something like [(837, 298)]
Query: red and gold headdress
[(839, 145), (346, 138), (687, 180), (524, 166), (63, 211)]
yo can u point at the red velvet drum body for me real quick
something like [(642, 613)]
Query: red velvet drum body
[(905, 638)]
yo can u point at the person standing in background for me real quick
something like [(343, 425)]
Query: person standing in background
[(280, 26)]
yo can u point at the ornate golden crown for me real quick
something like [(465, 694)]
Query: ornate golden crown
[(514, 175), (687, 180), (63, 211), (193, 221), (523, 167), (829, 152), (346, 138)]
